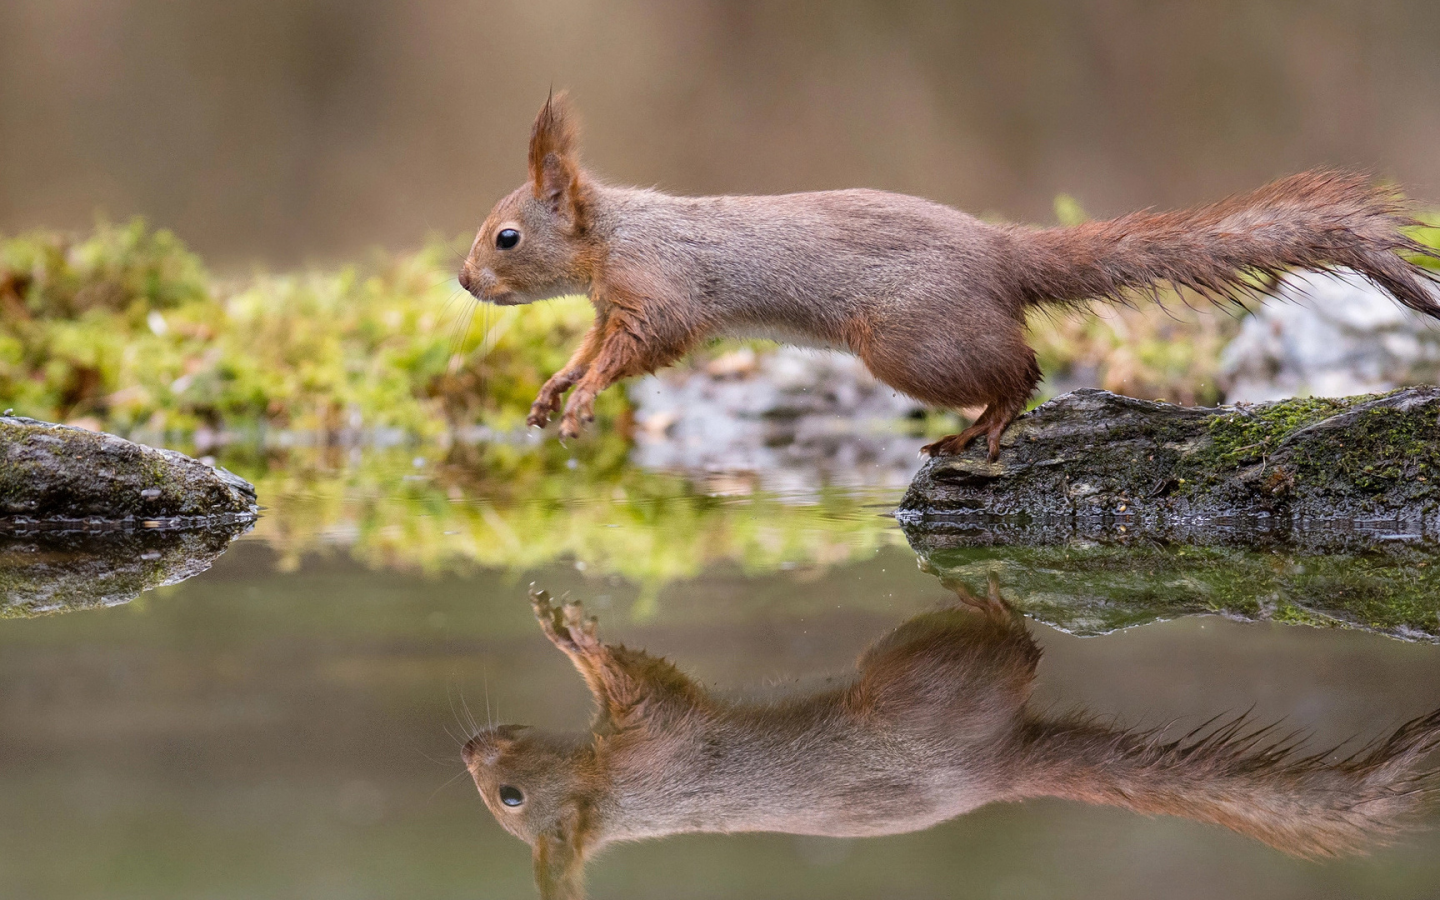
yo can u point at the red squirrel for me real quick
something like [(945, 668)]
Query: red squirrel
[(932, 300), (934, 723)]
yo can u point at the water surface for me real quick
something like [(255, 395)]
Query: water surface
[(289, 722)]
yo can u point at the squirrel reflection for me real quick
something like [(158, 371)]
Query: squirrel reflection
[(934, 724)]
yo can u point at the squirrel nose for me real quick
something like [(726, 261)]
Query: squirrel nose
[(470, 750), (466, 280)]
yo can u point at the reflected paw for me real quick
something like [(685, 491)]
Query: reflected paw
[(565, 625)]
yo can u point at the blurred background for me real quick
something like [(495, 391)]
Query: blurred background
[(287, 724), (292, 131)]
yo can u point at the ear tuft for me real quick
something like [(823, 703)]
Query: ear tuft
[(553, 163)]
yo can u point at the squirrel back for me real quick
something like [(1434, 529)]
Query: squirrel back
[(935, 723)]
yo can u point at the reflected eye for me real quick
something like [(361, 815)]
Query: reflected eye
[(508, 795), (507, 238)]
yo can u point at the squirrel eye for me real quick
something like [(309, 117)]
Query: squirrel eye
[(508, 795), (507, 238)]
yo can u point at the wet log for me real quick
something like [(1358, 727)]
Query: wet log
[(1354, 474)]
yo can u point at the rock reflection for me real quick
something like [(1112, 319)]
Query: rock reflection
[(935, 723), (1094, 587), (45, 572)]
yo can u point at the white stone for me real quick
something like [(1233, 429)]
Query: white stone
[(1329, 335)]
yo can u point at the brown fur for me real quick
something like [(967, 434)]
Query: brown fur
[(934, 724), (932, 300)]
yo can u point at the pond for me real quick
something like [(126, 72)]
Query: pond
[(289, 722)]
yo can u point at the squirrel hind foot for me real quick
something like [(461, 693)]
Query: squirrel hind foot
[(955, 444), (992, 423)]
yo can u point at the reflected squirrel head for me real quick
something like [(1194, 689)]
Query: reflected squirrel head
[(536, 242), (530, 781)]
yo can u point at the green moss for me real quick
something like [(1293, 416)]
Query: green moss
[(1292, 614), (1247, 436), (1383, 448), (126, 328)]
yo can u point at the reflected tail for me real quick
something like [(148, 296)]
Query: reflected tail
[(1245, 778)]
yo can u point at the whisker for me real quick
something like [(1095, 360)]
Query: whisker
[(449, 781), (474, 727), (454, 712), (447, 762), (449, 302), (459, 335), (489, 720), (460, 741)]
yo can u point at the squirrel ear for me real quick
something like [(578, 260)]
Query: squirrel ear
[(559, 859), (554, 170)]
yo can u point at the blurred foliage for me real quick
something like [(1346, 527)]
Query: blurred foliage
[(127, 329), (1428, 233), (516, 507), (1155, 352)]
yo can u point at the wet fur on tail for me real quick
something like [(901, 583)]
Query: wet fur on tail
[(1246, 778), (1234, 249)]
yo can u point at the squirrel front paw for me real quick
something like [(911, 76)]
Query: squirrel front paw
[(566, 626), (578, 413), (570, 427), (546, 404), (540, 413)]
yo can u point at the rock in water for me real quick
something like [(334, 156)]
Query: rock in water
[(1349, 473), (53, 475)]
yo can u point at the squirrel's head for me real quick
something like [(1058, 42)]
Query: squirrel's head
[(535, 243), (531, 783)]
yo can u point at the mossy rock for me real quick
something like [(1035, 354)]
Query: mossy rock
[(1086, 587), (49, 571), (1322, 474), (57, 476)]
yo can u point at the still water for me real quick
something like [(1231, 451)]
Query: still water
[(289, 723)]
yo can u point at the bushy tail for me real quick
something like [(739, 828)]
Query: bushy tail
[(1245, 779), (1234, 248)]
